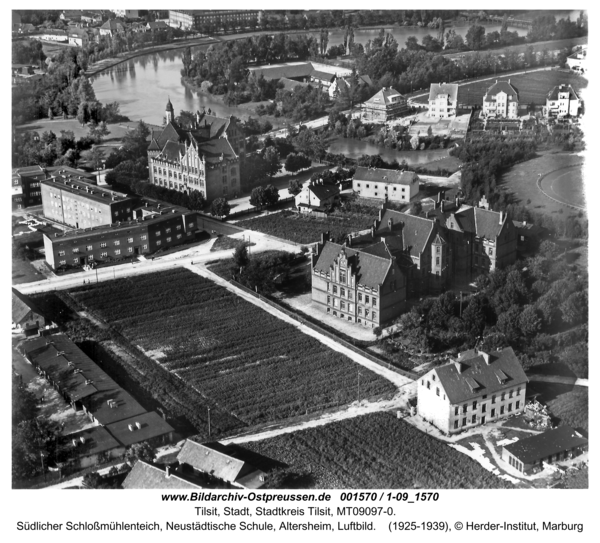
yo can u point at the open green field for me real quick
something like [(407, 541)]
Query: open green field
[(374, 451), (252, 365), (521, 181), (532, 87), (307, 229)]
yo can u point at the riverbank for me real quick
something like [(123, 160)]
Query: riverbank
[(107, 63)]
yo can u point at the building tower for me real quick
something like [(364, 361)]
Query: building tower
[(169, 112), (439, 263)]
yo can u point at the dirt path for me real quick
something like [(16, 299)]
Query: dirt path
[(353, 410)]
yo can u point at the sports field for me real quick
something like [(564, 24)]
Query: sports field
[(565, 185)]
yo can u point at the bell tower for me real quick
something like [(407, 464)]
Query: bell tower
[(169, 112)]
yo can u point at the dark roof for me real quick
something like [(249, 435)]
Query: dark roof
[(113, 25), (220, 461), (443, 88), (323, 76), (172, 151), (217, 149), (385, 176), (532, 449), (81, 378), (476, 373), (386, 96), (502, 86), (290, 84), (322, 192), (152, 425), (21, 306), (553, 94), (148, 476), (370, 269), (292, 70), (482, 222), (413, 231), (96, 440)]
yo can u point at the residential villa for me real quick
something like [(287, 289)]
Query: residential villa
[(443, 99), (501, 100), (385, 105), (562, 101), (383, 184), (317, 196)]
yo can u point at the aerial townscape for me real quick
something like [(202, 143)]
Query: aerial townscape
[(296, 249)]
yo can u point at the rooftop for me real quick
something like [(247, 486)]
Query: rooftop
[(21, 306), (82, 379), (85, 189), (387, 96), (535, 448), (385, 176), (148, 476), (502, 86), (451, 89), (143, 427), (475, 373), (95, 440)]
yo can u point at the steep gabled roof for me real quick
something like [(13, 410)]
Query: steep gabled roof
[(370, 269), (482, 222), (386, 96), (148, 476), (534, 448), (414, 232), (171, 132), (476, 376), (21, 306), (322, 192), (502, 86), (208, 460), (172, 151), (443, 88), (553, 94)]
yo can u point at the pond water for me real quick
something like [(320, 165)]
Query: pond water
[(356, 148), (143, 85)]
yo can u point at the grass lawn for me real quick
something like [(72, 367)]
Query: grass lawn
[(450, 163), (373, 451), (24, 272), (521, 181), (532, 87), (57, 124)]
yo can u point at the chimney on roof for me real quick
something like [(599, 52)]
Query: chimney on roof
[(501, 217), (442, 206), (167, 471), (459, 366), (486, 357), (130, 427)]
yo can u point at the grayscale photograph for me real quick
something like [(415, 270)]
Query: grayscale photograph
[(299, 250)]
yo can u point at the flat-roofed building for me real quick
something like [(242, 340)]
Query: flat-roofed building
[(80, 204), (155, 227), (531, 453)]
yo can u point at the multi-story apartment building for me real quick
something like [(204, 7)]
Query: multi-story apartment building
[(195, 19), (477, 388), (501, 100), (205, 158), (385, 105), (80, 204), (562, 101), (392, 185), (26, 186), (155, 227), (361, 286), (443, 100)]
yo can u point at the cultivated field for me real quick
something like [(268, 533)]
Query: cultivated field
[(251, 364), (301, 229), (532, 87), (374, 451), (571, 407)]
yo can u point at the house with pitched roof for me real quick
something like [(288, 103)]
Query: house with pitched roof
[(530, 454), (385, 105), (205, 158), (145, 475), (501, 100), (25, 314), (476, 388), (443, 99), (384, 184), (562, 101), (317, 196), (360, 285), (112, 27), (221, 462)]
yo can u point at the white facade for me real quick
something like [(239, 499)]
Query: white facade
[(188, 173), (396, 191), (435, 407), (562, 102), (503, 105)]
